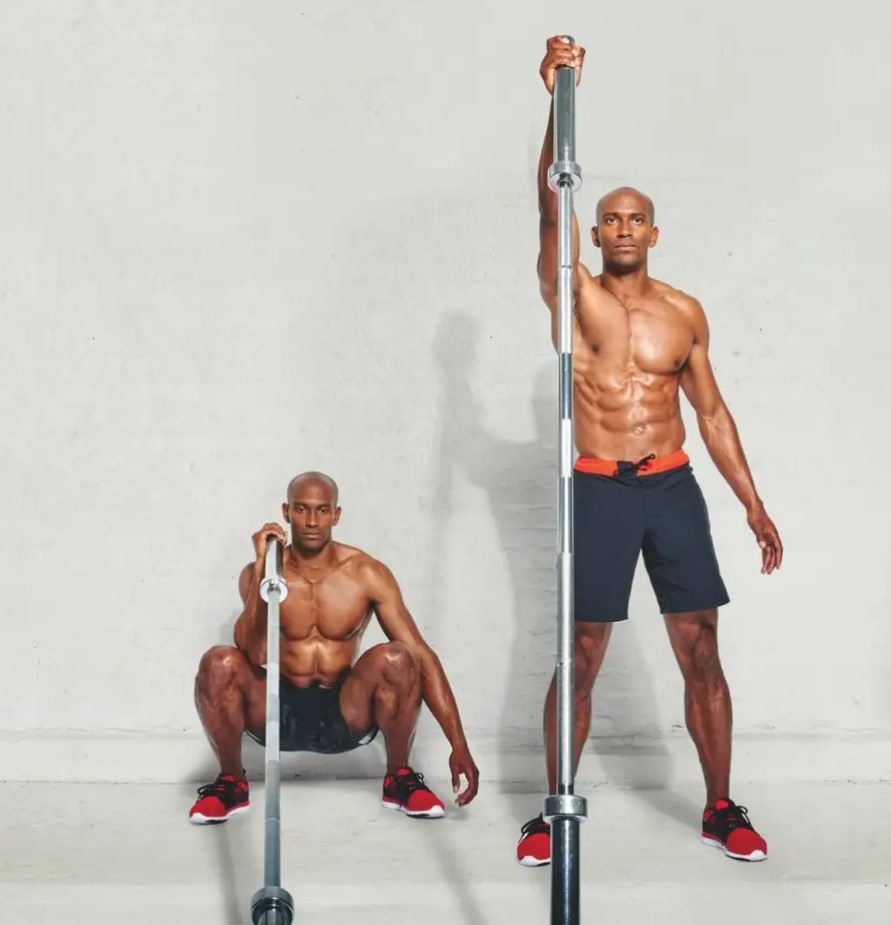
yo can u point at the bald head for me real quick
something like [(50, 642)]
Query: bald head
[(626, 199), (312, 512), (305, 479)]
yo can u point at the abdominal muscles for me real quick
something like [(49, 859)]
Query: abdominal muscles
[(627, 416)]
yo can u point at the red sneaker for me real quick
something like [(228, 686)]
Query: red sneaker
[(218, 801), (727, 827), (534, 846), (406, 792)]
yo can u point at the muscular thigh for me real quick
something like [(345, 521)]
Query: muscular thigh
[(357, 693), (251, 681)]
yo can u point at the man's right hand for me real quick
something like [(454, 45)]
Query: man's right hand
[(561, 54), (261, 538)]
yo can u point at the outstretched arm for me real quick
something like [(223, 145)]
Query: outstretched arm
[(399, 626), (721, 437)]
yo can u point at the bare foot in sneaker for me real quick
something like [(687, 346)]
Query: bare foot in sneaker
[(406, 792), (219, 801)]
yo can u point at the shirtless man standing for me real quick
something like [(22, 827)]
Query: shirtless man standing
[(636, 343), (329, 704)]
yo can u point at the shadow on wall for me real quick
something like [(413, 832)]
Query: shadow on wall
[(520, 479)]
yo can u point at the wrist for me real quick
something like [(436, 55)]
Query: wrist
[(458, 742), (754, 506)]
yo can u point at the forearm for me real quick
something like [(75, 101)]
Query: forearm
[(721, 438), (547, 200), (440, 700), (250, 629)]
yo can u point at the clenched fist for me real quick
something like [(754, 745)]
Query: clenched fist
[(261, 538), (561, 53)]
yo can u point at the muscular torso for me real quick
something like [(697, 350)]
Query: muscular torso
[(323, 617), (628, 356)]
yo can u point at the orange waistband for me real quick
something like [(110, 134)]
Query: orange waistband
[(647, 466)]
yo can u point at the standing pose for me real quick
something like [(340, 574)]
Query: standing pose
[(637, 343)]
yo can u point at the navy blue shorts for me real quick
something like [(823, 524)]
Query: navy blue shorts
[(660, 513), (310, 720)]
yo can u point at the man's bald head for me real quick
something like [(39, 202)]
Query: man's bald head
[(625, 230), (312, 511), (624, 199), (313, 478)]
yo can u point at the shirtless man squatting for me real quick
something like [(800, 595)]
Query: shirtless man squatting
[(331, 702), (637, 342)]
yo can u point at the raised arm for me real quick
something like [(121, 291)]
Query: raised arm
[(250, 628), (548, 229), (721, 437), (399, 626), (559, 54)]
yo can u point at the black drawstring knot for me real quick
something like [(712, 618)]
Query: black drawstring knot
[(625, 467)]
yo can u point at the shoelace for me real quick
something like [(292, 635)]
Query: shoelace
[(219, 787), (412, 781), (734, 817), (533, 826)]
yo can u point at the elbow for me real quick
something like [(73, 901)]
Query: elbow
[(547, 218), (547, 284), (240, 639), (243, 641), (713, 420), (547, 287), (253, 653)]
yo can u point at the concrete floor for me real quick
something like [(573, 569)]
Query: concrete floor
[(99, 853)]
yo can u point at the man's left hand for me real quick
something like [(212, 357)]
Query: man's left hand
[(768, 539), (460, 764)]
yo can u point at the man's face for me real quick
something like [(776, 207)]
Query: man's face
[(312, 515), (625, 232)]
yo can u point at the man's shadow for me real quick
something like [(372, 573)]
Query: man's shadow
[(520, 479)]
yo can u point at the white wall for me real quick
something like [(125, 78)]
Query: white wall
[(242, 240)]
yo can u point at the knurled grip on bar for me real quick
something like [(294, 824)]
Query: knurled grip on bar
[(564, 169)]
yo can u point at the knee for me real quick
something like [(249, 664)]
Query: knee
[(699, 658), (590, 648), (399, 665), (219, 667)]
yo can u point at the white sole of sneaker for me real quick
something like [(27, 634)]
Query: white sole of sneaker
[(754, 856), (436, 813), (200, 819), (533, 862)]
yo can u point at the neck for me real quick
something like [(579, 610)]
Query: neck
[(316, 558), (630, 283)]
